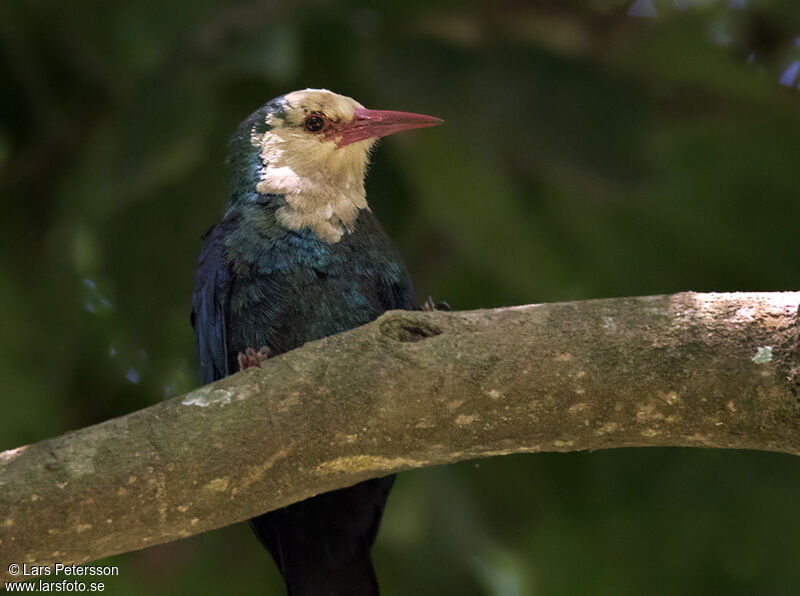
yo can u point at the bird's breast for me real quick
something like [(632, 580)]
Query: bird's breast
[(290, 287), (300, 301)]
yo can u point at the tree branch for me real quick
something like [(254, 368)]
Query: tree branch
[(409, 390)]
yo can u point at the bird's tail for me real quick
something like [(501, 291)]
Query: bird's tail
[(322, 545), (356, 579)]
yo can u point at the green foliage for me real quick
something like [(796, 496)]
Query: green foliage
[(586, 153)]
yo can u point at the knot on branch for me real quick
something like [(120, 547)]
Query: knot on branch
[(404, 329)]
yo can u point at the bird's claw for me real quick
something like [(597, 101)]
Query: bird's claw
[(250, 357), (430, 306)]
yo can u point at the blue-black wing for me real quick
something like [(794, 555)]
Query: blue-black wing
[(211, 305)]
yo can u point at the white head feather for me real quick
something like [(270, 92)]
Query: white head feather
[(323, 184)]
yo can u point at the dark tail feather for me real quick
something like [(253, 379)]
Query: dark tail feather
[(322, 545), (357, 579)]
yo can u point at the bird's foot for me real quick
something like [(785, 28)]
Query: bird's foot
[(250, 357), (430, 306)]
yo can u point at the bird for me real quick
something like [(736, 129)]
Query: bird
[(297, 256)]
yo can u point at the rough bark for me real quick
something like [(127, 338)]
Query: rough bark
[(409, 390)]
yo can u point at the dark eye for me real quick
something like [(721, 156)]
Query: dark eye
[(314, 123)]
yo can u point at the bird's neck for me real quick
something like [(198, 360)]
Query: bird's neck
[(325, 199)]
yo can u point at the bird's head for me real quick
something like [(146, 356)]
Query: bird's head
[(313, 148)]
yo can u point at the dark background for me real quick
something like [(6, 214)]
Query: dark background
[(591, 149)]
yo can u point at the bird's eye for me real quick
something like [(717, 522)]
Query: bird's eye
[(315, 123)]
